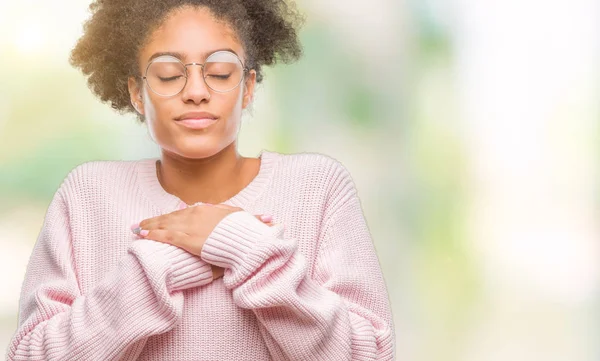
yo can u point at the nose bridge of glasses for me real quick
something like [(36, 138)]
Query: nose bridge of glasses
[(201, 73), (187, 70)]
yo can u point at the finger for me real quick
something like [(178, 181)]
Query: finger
[(266, 219), (162, 220), (161, 235), (217, 271), (158, 223), (148, 221)]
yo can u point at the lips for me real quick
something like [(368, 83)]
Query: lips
[(196, 120), (199, 123)]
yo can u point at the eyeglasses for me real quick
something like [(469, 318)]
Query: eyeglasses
[(167, 76)]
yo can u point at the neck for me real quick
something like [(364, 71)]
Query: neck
[(211, 180)]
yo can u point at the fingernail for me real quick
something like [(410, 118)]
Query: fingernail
[(134, 226), (144, 232), (266, 218)]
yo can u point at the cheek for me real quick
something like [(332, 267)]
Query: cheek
[(155, 110), (236, 108), (149, 106)]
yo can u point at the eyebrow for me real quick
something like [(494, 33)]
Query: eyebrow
[(182, 56)]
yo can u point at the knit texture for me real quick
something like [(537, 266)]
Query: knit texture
[(308, 288)]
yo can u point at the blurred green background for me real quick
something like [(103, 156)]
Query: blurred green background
[(470, 128)]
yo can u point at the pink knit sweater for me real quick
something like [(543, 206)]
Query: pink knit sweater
[(308, 288)]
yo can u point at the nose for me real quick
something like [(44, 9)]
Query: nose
[(195, 89)]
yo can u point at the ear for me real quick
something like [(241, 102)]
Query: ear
[(249, 85), (135, 94)]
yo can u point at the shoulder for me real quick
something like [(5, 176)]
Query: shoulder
[(317, 163), (96, 175), (319, 173)]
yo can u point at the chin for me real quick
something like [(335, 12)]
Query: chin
[(198, 151)]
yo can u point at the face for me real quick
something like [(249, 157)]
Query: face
[(194, 34)]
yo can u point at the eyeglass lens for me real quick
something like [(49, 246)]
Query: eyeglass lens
[(222, 72)]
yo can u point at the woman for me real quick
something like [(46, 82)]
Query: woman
[(201, 254)]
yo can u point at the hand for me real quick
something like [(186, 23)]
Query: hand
[(217, 271), (188, 228)]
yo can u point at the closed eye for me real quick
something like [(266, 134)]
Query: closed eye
[(223, 77), (171, 78)]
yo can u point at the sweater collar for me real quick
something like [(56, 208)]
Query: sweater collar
[(150, 185)]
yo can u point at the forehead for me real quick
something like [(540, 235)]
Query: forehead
[(192, 32)]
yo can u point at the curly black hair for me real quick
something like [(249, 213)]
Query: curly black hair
[(108, 50)]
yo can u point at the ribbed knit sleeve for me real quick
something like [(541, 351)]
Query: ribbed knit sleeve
[(341, 312), (139, 298)]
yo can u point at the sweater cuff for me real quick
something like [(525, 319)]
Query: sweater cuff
[(234, 243), (184, 270)]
